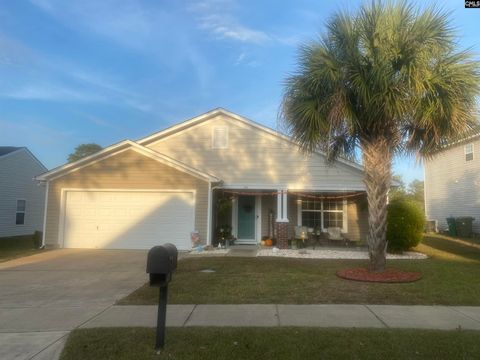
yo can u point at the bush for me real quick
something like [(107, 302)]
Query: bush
[(405, 225), (37, 239)]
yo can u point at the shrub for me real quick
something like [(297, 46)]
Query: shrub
[(37, 239), (405, 225)]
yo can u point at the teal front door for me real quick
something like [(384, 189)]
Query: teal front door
[(246, 218)]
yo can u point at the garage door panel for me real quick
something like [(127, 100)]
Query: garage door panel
[(128, 220)]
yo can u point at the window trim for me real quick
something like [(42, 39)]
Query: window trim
[(214, 129), (468, 153), (344, 211), (24, 212)]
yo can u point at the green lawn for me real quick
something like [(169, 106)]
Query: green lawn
[(271, 343), (17, 246), (450, 277)]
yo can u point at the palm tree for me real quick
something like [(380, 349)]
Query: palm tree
[(387, 80)]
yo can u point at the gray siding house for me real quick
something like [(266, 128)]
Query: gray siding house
[(452, 183), (22, 199)]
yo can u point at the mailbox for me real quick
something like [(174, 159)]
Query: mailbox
[(161, 262)]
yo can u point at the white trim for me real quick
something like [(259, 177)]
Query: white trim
[(45, 207), (24, 212), (345, 216), (235, 216), (220, 111), (333, 188), (285, 206), (466, 153), (344, 212), (209, 214), (279, 206), (299, 212), (63, 199), (118, 149), (258, 218)]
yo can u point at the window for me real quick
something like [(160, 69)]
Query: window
[(322, 213), (220, 137), (20, 214), (469, 152)]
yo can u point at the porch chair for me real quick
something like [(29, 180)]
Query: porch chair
[(301, 234), (335, 234)]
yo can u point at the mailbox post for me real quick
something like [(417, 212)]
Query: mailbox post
[(161, 262)]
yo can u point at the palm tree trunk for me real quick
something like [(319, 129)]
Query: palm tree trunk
[(377, 160)]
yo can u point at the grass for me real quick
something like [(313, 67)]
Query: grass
[(271, 343), (450, 277), (17, 246)]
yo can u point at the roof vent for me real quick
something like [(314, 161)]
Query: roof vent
[(220, 137)]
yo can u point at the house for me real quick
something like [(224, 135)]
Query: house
[(22, 199), (452, 183), (161, 188)]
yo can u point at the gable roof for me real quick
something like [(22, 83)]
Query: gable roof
[(220, 111), (120, 147), (4, 150)]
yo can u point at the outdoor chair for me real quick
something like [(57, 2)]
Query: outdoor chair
[(334, 234), (301, 235)]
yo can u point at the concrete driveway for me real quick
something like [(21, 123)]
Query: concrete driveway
[(43, 297)]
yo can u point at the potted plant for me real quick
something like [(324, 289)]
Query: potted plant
[(224, 235)]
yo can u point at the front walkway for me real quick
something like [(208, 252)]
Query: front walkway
[(272, 315)]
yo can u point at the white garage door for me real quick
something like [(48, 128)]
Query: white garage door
[(128, 219)]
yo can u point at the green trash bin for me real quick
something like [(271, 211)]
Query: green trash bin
[(452, 226), (464, 226)]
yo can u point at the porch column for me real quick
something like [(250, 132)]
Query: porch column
[(281, 223)]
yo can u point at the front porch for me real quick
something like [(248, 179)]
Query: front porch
[(288, 218)]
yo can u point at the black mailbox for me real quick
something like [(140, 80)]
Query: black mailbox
[(161, 262)]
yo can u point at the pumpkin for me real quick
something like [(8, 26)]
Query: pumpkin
[(262, 242), (269, 242)]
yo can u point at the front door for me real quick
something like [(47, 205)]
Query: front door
[(246, 219)]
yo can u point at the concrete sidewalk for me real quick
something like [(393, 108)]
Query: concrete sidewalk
[(266, 315)]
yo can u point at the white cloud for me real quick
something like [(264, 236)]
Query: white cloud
[(48, 92), (223, 26), (140, 27), (215, 16)]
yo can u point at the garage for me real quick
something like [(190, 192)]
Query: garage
[(126, 219)]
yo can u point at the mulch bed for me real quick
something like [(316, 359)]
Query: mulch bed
[(388, 276)]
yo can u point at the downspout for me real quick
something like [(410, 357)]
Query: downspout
[(45, 205), (209, 209)]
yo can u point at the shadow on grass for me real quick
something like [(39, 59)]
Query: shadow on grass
[(461, 248)]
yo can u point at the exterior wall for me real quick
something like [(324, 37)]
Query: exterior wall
[(255, 158), (357, 216), (17, 171), (126, 170), (452, 185)]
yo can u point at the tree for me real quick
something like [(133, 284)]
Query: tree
[(388, 80), (83, 150), (397, 190), (416, 191)]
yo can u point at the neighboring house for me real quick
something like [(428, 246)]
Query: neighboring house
[(166, 185), (452, 183), (22, 199)]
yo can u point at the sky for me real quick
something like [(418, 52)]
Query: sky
[(73, 72)]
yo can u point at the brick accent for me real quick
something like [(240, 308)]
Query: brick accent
[(282, 234)]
